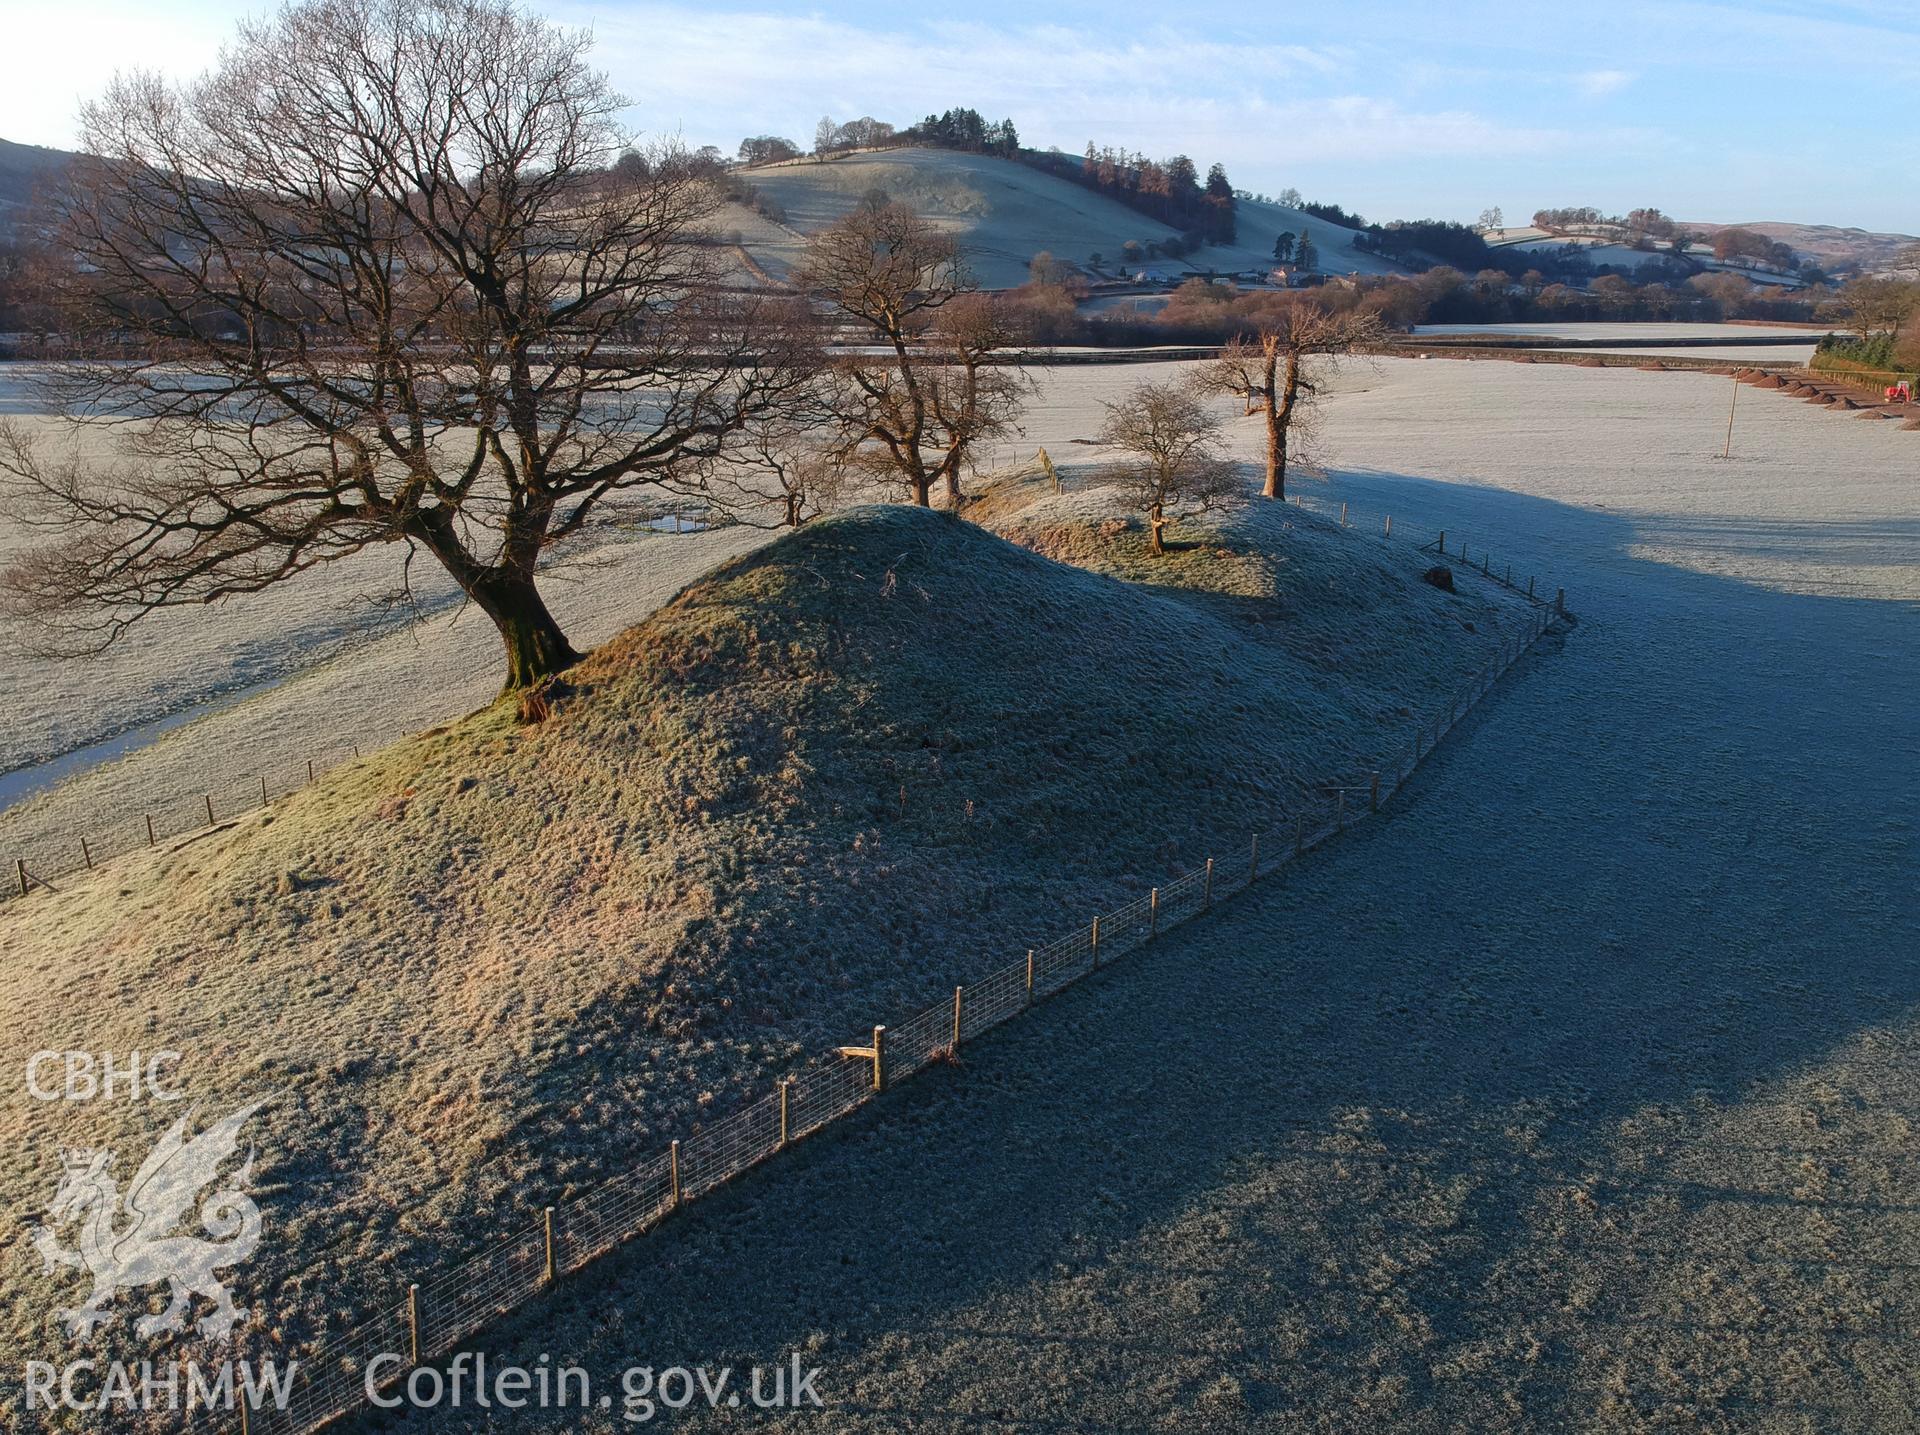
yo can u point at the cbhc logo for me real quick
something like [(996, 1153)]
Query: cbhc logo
[(80, 1076)]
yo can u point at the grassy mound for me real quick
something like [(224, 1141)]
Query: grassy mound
[(492, 964)]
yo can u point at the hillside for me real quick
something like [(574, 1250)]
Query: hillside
[(1834, 249), (484, 967), (1005, 213), (1831, 247), (22, 167)]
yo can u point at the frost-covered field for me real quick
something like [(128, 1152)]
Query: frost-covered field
[(1591, 438), (328, 670), (1581, 1092), (1577, 329), (1732, 353)]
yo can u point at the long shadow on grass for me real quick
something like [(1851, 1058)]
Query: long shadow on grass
[(1668, 863)]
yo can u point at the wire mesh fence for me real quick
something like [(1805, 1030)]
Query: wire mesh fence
[(438, 1315)]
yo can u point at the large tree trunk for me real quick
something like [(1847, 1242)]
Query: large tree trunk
[(1279, 420), (536, 648), (1276, 484)]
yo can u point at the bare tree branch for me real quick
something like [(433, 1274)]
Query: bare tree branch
[(1268, 372), (1175, 441), (920, 415), (375, 279)]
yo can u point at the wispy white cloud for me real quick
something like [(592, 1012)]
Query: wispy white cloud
[(1390, 104), (676, 60), (1598, 84), (1147, 88)]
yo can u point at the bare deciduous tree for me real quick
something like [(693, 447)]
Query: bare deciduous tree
[(1270, 371), (1175, 441), (1876, 304), (785, 462), (374, 279), (1240, 369), (919, 417)]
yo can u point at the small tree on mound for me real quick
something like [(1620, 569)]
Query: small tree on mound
[(1175, 443), (1269, 372), (784, 463), (919, 416), (382, 276)]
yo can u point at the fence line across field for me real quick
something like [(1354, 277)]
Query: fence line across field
[(147, 826), (436, 1315)]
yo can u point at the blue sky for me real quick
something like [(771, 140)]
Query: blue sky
[(1712, 111)]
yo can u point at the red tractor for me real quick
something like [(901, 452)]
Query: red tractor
[(1900, 393)]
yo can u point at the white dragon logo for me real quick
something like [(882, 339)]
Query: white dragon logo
[(147, 1250)]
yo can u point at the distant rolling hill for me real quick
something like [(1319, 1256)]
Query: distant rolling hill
[(1832, 248), (22, 168), (1006, 212)]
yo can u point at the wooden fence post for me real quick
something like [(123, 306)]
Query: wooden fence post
[(1029, 976), (1443, 542), (1209, 881), (673, 1172), (209, 809), (879, 1058), (150, 841), (1096, 941), (20, 866), (1343, 515), (551, 1272), (309, 771), (264, 799), (957, 992), (1389, 532), (413, 1319), (86, 853), (1153, 914), (786, 1093)]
